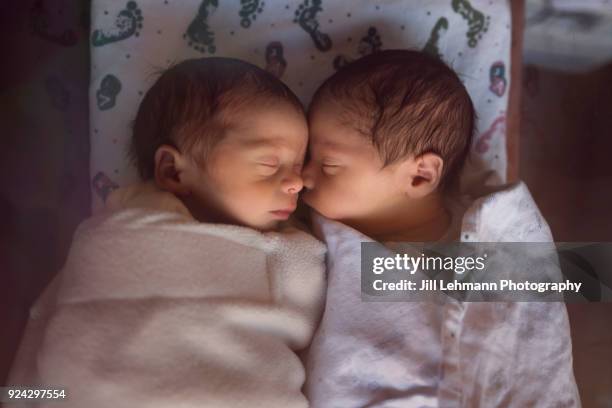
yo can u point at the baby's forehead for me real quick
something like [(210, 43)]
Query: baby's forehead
[(253, 138), (276, 121)]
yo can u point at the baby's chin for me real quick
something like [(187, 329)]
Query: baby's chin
[(264, 226)]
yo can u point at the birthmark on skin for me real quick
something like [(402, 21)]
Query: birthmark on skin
[(478, 23), (438, 30), (497, 77), (275, 60), (497, 129), (128, 23), (306, 18), (103, 185), (249, 9), (199, 36)]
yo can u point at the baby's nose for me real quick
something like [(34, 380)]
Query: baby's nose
[(293, 184)]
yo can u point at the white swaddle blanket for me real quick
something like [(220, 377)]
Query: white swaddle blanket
[(154, 309), (446, 354)]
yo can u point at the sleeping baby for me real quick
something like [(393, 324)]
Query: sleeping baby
[(389, 135), (190, 289)]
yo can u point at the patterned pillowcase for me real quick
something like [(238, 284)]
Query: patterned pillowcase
[(300, 41)]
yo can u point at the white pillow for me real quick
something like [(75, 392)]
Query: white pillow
[(302, 41)]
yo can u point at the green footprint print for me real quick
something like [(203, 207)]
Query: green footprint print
[(249, 10), (106, 96), (128, 23), (199, 35), (306, 17), (439, 29), (477, 22)]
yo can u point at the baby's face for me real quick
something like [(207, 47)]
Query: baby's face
[(344, 178), (253, 174)]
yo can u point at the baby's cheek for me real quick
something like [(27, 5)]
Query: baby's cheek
[(334, 196)]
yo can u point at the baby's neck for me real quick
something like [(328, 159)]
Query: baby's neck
[(425, 220)]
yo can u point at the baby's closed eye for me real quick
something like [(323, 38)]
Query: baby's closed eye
[(267, 166), (330, 167)]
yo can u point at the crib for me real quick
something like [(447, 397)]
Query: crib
[(300, 41)]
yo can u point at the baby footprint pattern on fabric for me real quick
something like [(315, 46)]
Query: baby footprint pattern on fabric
[(498, 127), (438, 30), (341, 61), (306, 17), (249, 9), (103, 185), (199, 35), (497, 76), (477, 22), (128, 23), (275, 60), (40, 23), (106, 96), (368, 44)]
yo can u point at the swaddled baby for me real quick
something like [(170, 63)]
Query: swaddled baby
[(190, 290), (389, 135)]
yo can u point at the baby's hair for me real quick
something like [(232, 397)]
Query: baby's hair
[(190, 105), (408, 103)]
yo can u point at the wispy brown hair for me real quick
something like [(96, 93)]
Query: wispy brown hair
[(189, 106), (408, 103)]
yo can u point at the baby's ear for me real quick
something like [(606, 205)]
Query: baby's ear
[(422, 174), (170, 170)]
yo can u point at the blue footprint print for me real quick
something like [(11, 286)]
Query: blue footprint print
[(306, 17), (249, 10), (497, 77), (439, 29), (198, 34), (106, 96), (128, 23)]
